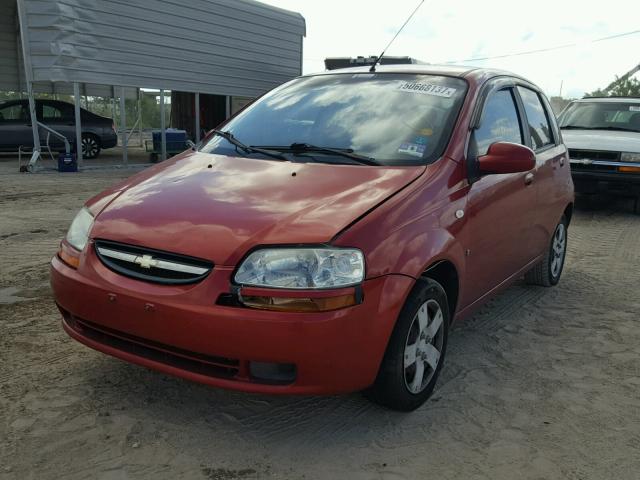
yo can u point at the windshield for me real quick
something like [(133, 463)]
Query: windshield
[(394, 119), (602, 116)]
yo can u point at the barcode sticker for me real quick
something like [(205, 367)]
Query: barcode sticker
[(427, 89)]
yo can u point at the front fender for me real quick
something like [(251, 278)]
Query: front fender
[(415, 229), (412, 250)]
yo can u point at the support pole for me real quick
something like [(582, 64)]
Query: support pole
[(113, 108), (123, 127), (140, 117), (163, 131), (34, 129), (26, 56), (227, 107), (197, 107), (76, 94)]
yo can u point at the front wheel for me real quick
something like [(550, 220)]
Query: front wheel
[(547, 272), (415, 353)]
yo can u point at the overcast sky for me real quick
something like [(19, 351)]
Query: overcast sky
[(456, 31)]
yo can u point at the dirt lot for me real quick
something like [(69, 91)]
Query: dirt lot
[(541, 384)]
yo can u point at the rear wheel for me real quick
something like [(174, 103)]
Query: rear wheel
[(90, 146), (416, 350), (547, 273)]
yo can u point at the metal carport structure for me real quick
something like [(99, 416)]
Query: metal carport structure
[(221, 47)]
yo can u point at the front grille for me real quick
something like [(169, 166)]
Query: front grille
[(594, 155), (151, 265), (211, 366)]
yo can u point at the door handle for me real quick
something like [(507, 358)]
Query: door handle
[(559, 160), (528, 179)]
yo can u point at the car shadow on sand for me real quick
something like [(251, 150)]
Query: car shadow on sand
[(199, 415)]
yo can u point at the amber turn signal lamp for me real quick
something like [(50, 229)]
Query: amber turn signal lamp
[(299, 304), (67, 257), (629, 169)]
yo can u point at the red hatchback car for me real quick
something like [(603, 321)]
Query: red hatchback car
[(326, 237)]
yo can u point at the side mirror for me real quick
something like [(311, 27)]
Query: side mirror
[(506, 157), (191, 145)]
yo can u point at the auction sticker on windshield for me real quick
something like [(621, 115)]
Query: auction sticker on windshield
[(413, 149), (427, 89)]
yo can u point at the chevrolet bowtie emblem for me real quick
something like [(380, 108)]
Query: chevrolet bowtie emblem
[(146, 261)]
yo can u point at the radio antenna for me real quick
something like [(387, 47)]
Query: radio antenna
[(373, 67)]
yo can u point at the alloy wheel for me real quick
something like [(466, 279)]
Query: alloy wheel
[(423, 346), (558, 249), (89, 147)]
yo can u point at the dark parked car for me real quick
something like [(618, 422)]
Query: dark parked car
[(15, 127)]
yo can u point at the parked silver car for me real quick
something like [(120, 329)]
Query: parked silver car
[(603, 137)]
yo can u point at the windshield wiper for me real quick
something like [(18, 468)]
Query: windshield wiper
[(577, 127), (621, 129), (228, 136), (342, 152)]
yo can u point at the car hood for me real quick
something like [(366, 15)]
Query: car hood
[(609, 140), (218, 207)]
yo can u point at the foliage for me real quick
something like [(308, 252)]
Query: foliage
[(622, 87)]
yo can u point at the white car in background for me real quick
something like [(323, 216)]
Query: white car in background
[(603, 137)]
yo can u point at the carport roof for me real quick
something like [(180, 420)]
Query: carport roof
[(220, 47)]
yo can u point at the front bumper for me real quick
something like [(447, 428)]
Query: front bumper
[(180, 330), (606, 176), (606, 182)]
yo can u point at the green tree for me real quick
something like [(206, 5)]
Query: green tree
[(621, 87)]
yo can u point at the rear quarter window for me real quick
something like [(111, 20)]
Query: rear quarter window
[(12, 113)]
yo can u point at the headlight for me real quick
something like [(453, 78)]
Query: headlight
[(302, 268), (630, 157), (78, 234)]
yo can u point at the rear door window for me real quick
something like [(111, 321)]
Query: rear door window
[(499, 123), (538, 119), (49, 112)]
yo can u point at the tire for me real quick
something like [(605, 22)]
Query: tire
[(90, 146), (396, 386), (547, 273)]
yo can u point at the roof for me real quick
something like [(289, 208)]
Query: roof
[(239, 47), (478, 75), (608, 100), (447, 70)]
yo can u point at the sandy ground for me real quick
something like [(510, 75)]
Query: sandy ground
[(541, 384)]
